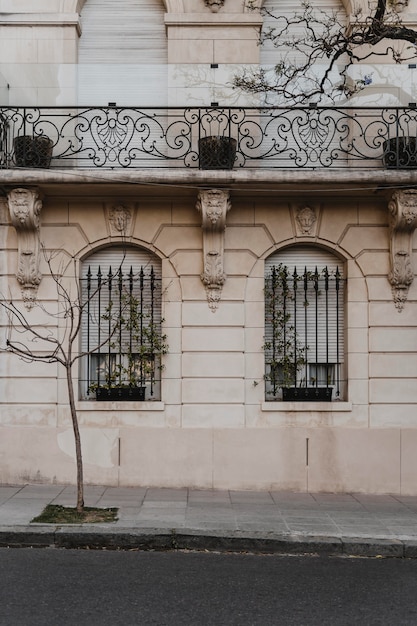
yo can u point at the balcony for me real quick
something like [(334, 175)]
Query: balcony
[(261, 138)]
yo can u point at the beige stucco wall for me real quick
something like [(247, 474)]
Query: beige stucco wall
[(212, 427)]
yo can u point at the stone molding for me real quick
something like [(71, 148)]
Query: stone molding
[(177, 6), (213, 19), (403, 222), (213, 204), (25, 206)]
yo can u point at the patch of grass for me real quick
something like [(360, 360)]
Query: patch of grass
[(56, 514)]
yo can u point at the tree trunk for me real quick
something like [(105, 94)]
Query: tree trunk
[(77, 439)]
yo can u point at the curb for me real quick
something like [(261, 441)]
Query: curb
[(155, 539)]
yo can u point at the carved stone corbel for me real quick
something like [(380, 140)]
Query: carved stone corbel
[(403, 221), (213, 205), (25, 206)]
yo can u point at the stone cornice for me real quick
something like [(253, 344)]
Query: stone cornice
[(41, 19), (213, 19)]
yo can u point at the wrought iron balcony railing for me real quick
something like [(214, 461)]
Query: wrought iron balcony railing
[(208, 138)]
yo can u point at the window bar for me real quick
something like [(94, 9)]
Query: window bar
[(326, 290), (120, 290), (295, 277), (99, 323), (305, 284), (142, 354), (88, 328), (152, 331), (110, 279), (131, 318), (337, 334), (284, 286), (272, 303), (316, 289)]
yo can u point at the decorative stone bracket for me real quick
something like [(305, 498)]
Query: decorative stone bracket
[(25, 206), (403, 222), (213, 205)]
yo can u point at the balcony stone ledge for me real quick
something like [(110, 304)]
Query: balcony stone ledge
[(351, 179)]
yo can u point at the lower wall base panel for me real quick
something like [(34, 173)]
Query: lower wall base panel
[(297, 459)]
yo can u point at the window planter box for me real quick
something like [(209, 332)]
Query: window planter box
[(400, 153), (307, 394), (32, 151), (217, 153), (104, 394)]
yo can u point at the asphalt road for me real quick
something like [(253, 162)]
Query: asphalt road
[(62, 587)]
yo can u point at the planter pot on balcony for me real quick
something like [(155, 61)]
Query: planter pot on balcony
[(400, 152), (307, 394), (217, 153), (120, 393), (32, 151)]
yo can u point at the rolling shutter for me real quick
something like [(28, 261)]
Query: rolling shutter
[(117, 258), (123, 53)]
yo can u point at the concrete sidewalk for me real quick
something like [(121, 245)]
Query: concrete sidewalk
[(274, 521)]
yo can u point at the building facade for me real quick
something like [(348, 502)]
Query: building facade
[(289, 264)]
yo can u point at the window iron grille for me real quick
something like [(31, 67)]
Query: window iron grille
[(304, 333), (122, 337)]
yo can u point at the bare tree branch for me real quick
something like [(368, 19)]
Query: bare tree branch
[(315, 49)]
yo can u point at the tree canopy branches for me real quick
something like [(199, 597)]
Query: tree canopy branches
[(316, 48)]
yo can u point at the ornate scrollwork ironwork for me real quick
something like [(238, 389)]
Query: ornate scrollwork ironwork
[(276, 137)]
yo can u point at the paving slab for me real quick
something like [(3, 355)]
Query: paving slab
[(151, 518)]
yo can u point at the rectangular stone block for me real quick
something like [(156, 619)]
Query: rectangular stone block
[(260, 459), (215, 390), (349, 459), (401, 365), (28, 390), (227, 314), (213, 340), (209, 365), (390, 339), (166, 458), (408, 461), (397, 391), (392, 416), (213, 415), (190, 51)]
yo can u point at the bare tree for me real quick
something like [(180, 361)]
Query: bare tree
[(316, 48), (54, 343), (58, 340)]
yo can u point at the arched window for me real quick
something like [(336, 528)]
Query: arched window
[(121, 325), (304, 325)]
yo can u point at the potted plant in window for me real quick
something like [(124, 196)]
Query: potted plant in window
[(134, 353), (286, 355)]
